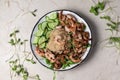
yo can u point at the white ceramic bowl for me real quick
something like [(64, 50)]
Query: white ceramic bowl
[(41, 59)]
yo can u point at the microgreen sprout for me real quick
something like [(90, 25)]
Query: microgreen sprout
[(99, 6), (15, 62), (113, 25)]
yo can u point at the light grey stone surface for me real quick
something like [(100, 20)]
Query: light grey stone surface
[(100, 65)]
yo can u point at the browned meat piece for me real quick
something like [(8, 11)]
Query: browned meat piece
[(40, 51), (50, 56), (57, 65), (75, 57)]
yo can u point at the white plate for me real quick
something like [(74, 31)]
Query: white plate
[(79, 19)]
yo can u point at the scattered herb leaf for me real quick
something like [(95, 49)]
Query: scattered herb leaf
[(99, 6)]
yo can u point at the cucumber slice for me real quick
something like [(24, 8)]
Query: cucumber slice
[(40, 26), (48, 19), (45, 31), (53, 25), (49, 29), (41, 40), (44, 25), (53, 15), (39, 33), (43, 45), (35, 40), (48, 34), (56, 21)]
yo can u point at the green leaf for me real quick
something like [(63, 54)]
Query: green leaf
[(18, 40), (101, 5), (31, 60), (106, 18), (115, 39), (47, 61), (88, 45), (35, 10), (12, 42), (94, 10), (37, 77), (25, 40), (25, 77), (14, 68), (11, 34), (112, 26), (67, 64), (16, 31)]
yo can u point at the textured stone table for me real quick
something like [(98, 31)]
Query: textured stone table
[(100, 65)]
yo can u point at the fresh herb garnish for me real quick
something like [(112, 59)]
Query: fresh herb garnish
[(31, 60), (113, 25), (115, 42), (15, 62), (99, 6), (54, 75)]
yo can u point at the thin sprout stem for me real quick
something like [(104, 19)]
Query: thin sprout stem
[(10, 58), (26, 58), (100, 42), (108, 9), (11, 74), (54, 75)]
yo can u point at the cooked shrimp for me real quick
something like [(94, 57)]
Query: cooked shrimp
[(40, 52), (74, 57), (71, 17), (57, 65), (50, 56)]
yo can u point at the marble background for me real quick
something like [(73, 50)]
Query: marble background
[(99, 65)]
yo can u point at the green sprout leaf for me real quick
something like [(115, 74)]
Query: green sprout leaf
[(101, 5), (106, 18), (95, 9)]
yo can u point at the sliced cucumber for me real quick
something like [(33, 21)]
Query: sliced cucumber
[(44, 25), (53, 15), (43, 45), (41, 40), (49, 29), (56, 21), (48, 19), (35, 41), (48, 34), (54, 24), (45, 31), (39, 33), (40, 26)]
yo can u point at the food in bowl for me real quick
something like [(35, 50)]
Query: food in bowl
[(61, 40)]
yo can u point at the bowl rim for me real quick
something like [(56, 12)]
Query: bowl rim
[(37, 24)]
